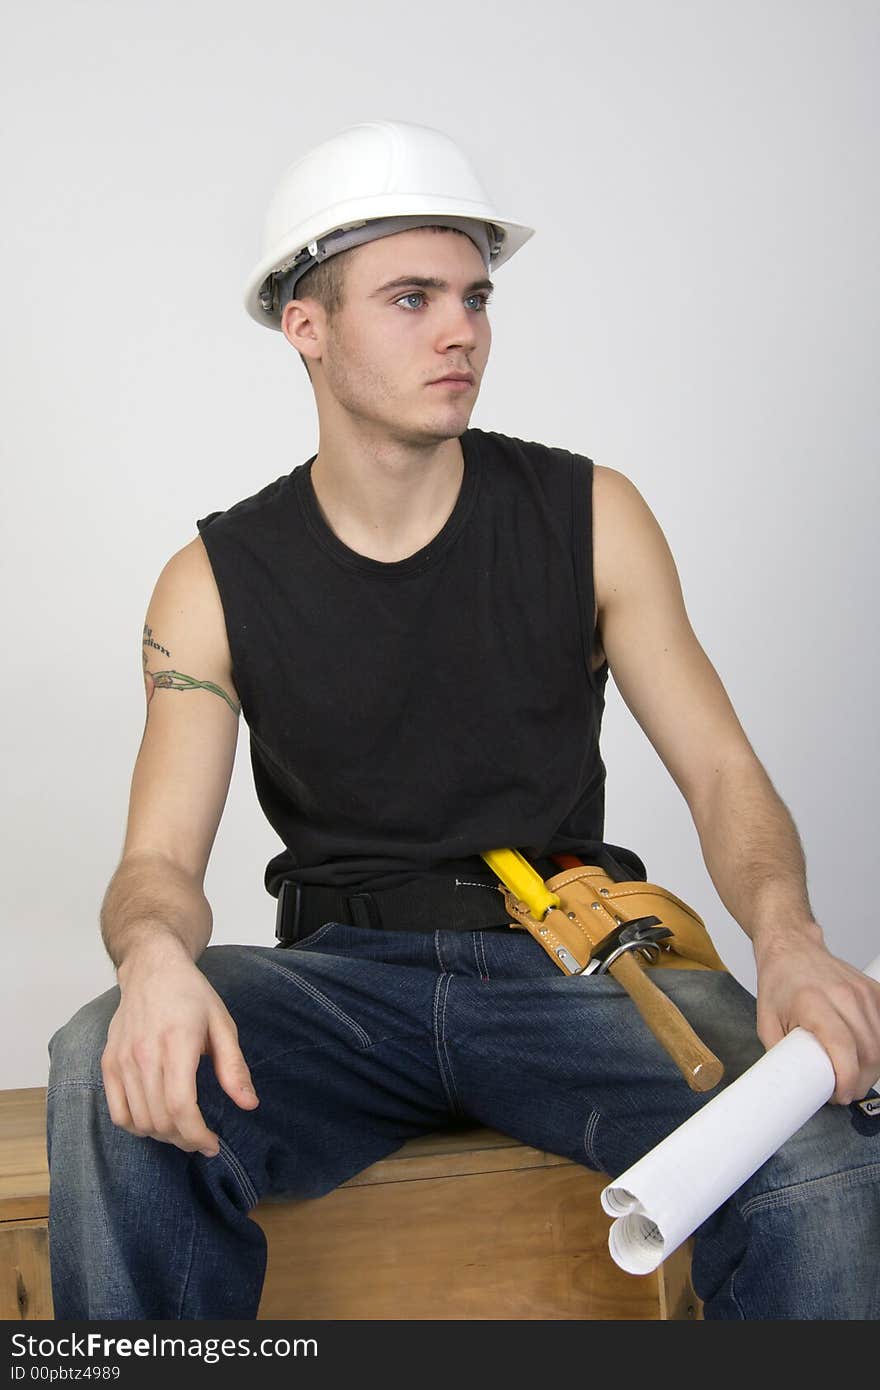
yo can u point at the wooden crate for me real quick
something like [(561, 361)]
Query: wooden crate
[(464, 1225)]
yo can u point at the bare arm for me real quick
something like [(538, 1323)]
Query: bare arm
[(151, 903), (183, 768), (155, 918), (753, 852), (749, 841)]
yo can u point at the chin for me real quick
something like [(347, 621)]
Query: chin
[(452, 423), (457, 407)]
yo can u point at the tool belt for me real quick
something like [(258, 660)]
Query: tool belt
[(589, 923), (596, 908), (446, 901), (424, 904), (586, 921)]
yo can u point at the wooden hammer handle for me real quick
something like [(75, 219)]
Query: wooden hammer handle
[(699, 1066)]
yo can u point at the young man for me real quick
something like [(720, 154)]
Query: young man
[(418, 624)]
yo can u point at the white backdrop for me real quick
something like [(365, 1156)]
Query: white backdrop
[(698, 309)]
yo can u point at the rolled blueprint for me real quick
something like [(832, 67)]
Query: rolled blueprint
[(667, 1194)]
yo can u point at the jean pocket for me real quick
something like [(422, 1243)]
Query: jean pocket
[(304, 943)]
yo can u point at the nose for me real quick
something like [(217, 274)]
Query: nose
[(456, 327)]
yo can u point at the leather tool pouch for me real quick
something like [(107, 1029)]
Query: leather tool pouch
[(592, 909)]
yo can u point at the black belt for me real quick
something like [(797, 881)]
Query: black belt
[(423, 904)]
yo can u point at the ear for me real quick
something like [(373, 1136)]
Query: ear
[(303, 322)]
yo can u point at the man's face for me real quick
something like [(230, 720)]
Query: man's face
[(384, 352)]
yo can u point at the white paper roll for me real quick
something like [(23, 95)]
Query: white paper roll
[(662, 1199)]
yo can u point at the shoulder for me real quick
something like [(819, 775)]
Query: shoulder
[(187, 567), (612, 487), (187, 580), (626, 534), (250, 510), (534, 453), (185, 618), (558, 475)]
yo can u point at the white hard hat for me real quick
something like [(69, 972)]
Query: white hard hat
[(371, 180)]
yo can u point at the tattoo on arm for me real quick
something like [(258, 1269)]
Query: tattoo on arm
[(148, 642), (176, 680)]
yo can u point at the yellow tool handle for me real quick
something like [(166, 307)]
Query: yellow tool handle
[(522, 879), (699, 1066)]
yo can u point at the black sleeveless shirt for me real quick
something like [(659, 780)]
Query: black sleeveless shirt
[(406, 715)]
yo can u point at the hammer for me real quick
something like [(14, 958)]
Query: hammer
[(581, 943)]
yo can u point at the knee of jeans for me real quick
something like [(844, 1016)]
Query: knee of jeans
[(75, 1049)]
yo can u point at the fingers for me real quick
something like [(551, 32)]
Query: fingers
[(839, 1043), (769, 1027), (151, 1093), (184, 1113), (151, 1085), (117, 1102), (852, 1040), (859, 1009), (232, 1070)]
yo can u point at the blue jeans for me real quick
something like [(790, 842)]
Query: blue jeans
[(357, 1040)]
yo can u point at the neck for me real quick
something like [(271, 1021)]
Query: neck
[(387, 499)]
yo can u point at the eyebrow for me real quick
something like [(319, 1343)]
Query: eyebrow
[(428, 282)]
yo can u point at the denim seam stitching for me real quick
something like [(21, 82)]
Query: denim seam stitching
[(590, 1127), (781, 1195), (440, 1042), (79, 1085), (589, 1137), (733, 1298), (314, 936), (244, 1180), (321, 999), (255, 1063), (480, 955), (440, 961), (184, 1288), (248, 1190)]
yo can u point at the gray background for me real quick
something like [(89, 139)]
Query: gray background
[(698, 309)]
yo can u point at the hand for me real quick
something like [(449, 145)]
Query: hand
[(800, 984), (168, 1017)]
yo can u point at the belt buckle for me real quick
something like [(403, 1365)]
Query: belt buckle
[(289, 906), (364, 911)]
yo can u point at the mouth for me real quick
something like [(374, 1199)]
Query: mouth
[(463, 383)]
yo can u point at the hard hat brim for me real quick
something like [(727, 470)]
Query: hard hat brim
[(360, 210)]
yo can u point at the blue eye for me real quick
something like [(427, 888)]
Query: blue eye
[(419, 294)]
